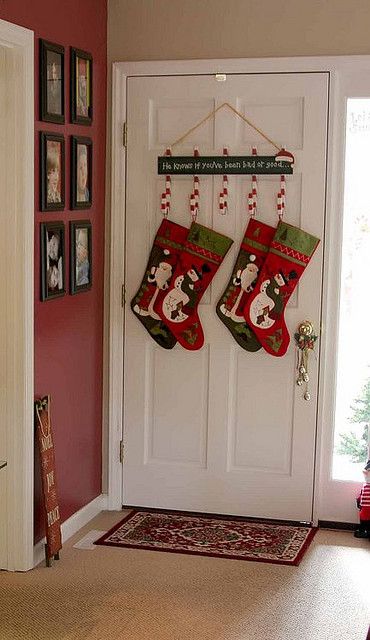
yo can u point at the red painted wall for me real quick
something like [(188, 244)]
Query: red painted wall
[(69, 330)]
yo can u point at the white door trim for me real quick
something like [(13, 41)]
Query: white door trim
[(337, 67), (115, 320), (21, 431), (349, 84)]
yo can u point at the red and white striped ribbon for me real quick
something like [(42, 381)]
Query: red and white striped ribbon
[(166, 196), (194, 197), (223, 202)]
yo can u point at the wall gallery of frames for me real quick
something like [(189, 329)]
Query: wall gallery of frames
[(52, 170)]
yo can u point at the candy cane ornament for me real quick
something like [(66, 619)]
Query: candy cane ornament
[(223, 203), (279, 206), (194, 196), (251, 209), (283, 194), (254, 186), (166, 196)]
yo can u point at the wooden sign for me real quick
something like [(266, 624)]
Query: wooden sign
[(48, 480), (221, 165)]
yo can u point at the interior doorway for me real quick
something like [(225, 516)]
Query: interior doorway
[(16, 296)]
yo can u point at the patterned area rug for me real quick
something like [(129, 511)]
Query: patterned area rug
[(211, 536)]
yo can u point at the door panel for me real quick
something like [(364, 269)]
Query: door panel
[(220, 429)]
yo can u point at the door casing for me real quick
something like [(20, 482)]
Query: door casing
[(19, 44), (338, 68)]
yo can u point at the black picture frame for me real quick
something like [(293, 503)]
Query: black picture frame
[(52, 168), (52, 94), (81, 172), (81, 87), (52, 253), (80, 256)]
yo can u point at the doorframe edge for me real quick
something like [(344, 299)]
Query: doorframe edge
[(334, 66), (20, 470), (115, 320)]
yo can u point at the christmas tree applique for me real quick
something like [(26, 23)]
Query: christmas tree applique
[(243, 329), (190, 334), (275, 340), (159, 329), (284, 235)]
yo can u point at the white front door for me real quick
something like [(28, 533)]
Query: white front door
[(222, 430)]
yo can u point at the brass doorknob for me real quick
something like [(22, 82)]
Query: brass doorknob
[(305, 338)]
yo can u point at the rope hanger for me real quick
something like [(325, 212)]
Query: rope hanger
[(212, 115)]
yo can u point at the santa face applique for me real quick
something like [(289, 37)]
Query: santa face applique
[(160, 275), (158, 278), (243, 282)]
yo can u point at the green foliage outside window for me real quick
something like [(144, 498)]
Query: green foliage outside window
[(350, 443)]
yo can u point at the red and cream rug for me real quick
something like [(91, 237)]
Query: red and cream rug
[(211, 536)]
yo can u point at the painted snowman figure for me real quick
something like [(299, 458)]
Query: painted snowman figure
[(184, 294), (244, 280), (269, 303), (159, 274)]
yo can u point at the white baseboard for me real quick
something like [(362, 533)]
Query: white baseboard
[(73, 524)]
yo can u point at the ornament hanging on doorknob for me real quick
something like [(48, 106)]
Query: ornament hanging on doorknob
[(305, 338)]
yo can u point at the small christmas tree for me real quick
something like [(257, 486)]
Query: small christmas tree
[(351, 444)]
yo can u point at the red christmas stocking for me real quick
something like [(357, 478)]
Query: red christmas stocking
[(251, 257), (203, 252), (168, 244), (290, 252)]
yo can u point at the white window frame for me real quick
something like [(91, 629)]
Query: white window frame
[(336, 498)]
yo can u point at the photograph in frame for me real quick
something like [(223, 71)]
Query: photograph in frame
[(52, 172), (52, 260), (51, 82), (81, 255), (81, 172), (81, 87)]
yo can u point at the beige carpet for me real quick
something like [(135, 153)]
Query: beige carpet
[(110, 593)]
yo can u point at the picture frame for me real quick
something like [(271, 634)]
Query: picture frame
[(80, 256), (52, 171), (81, 172), (52, 252), (81, 87), (52, 108)]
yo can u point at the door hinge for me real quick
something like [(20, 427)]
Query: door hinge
[(124, 134), (121, 451), (123, 296)]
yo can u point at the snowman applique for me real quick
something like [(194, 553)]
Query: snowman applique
[(181, 299), (269, 302), (160, 273)]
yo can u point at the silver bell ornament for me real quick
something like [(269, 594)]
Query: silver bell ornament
[(305, 338)]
